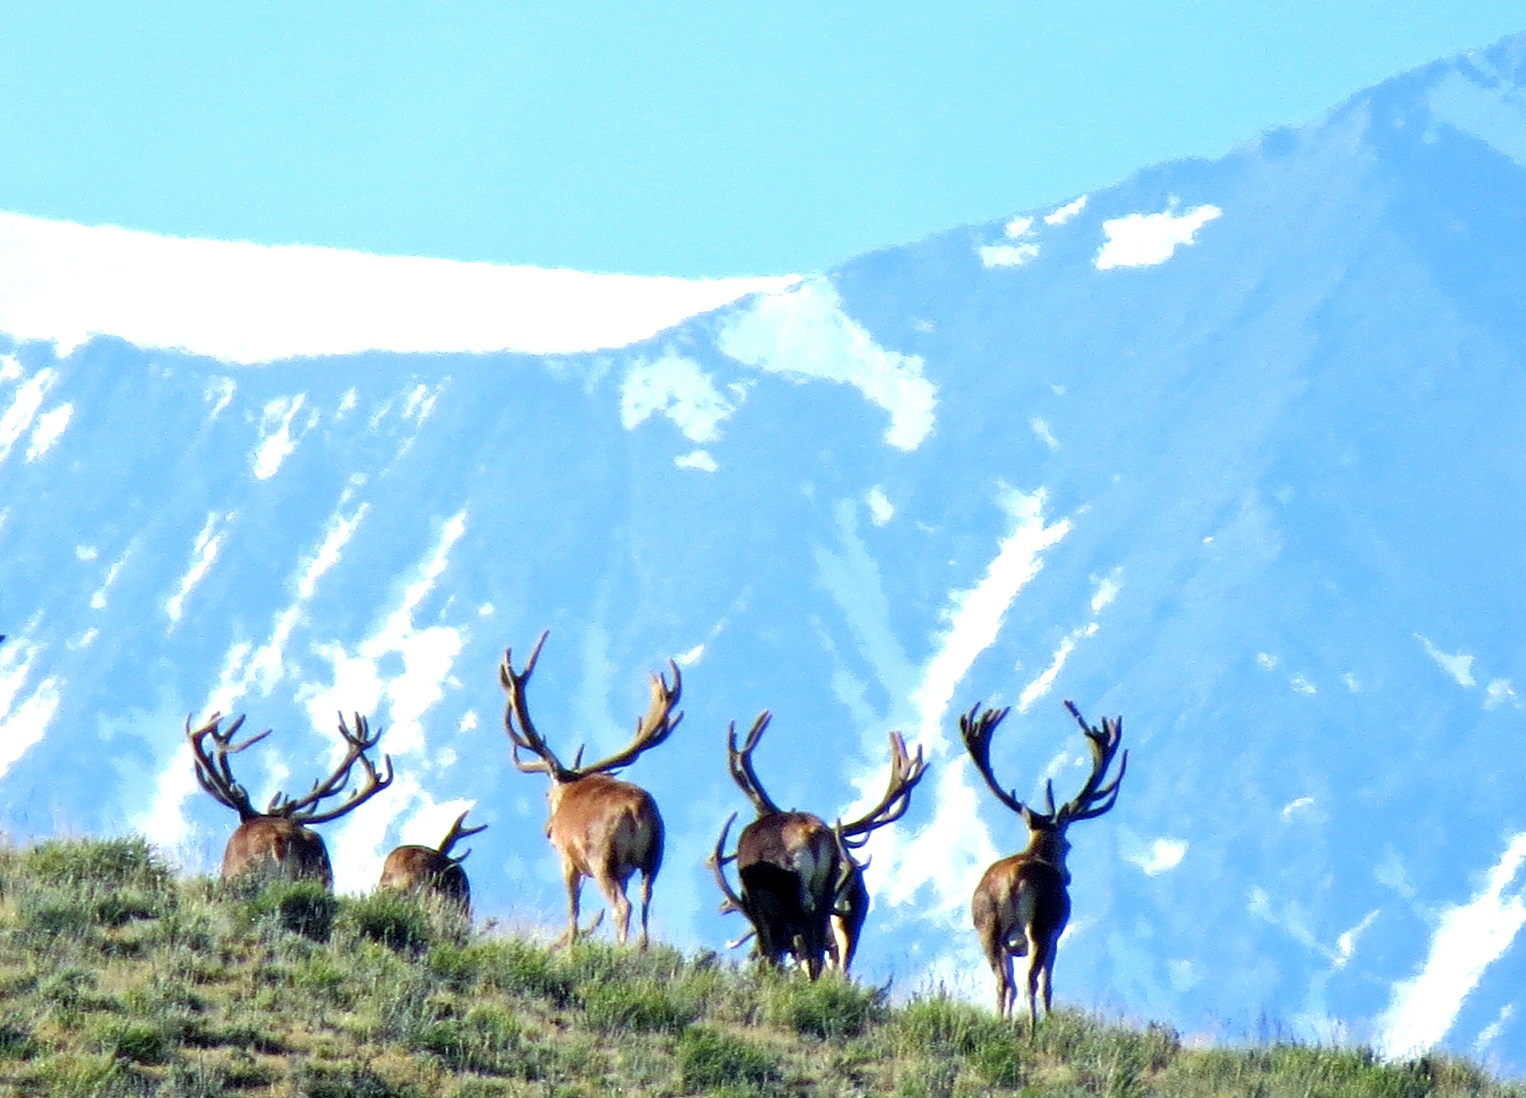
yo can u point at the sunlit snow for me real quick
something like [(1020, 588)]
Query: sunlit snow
[(1144, 240), (251, 303), (1468, 939), (804, 334)]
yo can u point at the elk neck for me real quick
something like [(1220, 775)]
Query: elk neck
[(1047, 843)]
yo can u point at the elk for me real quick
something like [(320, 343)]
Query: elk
[(278, 844), (432, 870), (600, 826), (1022, 903), (802, 889)]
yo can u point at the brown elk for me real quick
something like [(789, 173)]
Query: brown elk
[(601, 827), (277, 843), (1022, 903), (432, 870), (802, 889)]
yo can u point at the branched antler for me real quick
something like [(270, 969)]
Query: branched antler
[(456, 834), (651, 729), (213, 772), (1095, 797), (905, 772), (306, 808), (739, 762)]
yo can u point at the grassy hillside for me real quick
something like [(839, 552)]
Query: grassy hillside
[(118, 979)]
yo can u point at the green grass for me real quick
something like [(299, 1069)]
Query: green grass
[(118, 979)]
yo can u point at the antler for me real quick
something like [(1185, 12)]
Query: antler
[(976, 728), (212, 771), (456, 834), (651, 729), (516, 712), (740, 764), (717, 861), (360, 741), (1095, 797), (905, 773)]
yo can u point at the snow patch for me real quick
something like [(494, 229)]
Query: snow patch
[(1065, 212), (1294, 807), (1499, 692), (1108, 588), (702, 460), (50, 425), (1045, 682), (1146, 240), (678, 388), (25, 715), (1158, 857), (1345, 945), (803, 334), (203, 555), (1042, 432), (276, 443), (1468, 939), (948, 854), (251, 303), (1007, 255), (1458, 665), (20, 414)]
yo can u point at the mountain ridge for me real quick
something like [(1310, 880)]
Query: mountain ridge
[(1250, 489)]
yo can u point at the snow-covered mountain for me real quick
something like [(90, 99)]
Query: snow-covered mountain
[(1230, 448)]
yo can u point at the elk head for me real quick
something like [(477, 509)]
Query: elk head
[(802, 889), (1022, 903), (278, 843), (600, 826), (432, 870)]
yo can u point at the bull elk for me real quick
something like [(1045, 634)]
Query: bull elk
[(801, 888), (279, 842), (432, 870), (600, 826), (1022, 903)]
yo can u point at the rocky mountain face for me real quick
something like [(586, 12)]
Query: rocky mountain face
[(1230, 448)]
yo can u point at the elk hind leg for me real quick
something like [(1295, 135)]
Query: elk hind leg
[(998, 953), (573, 879), (646, 903), (614, 894), (1041, 953)]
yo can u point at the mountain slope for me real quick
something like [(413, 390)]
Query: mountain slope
[(1227, 448)]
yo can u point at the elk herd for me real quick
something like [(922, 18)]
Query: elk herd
[(800, 880)]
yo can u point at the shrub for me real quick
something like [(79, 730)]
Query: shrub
[(713, 1062), (828, 1007), (396, 920), (300, 907), (525, 968), (97, 864), (637, 1005), (16, 1042)]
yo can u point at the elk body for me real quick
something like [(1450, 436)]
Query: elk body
[(1022, 903), (432, 870), (801, 888), (601, 827), (278, 843)]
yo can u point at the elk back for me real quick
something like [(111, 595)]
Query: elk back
[(606, 826), (425, 869), (788, 865), (277, 849)]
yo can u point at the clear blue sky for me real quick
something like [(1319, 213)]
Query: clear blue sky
[(689, 138)]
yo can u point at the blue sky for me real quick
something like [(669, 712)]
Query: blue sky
[(693, 139)]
